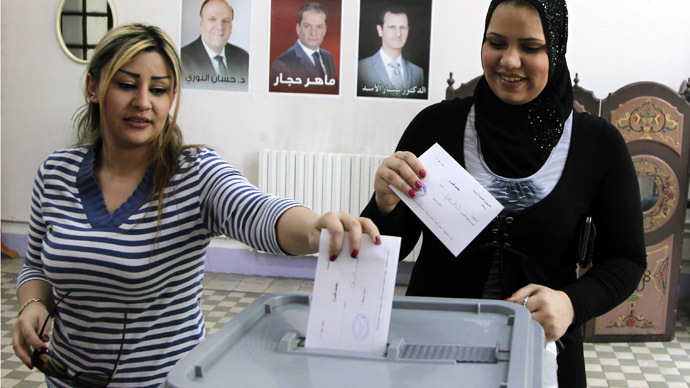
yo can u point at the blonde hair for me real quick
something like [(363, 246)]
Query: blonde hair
[(117, 48)]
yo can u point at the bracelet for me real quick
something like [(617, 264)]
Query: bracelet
[(28, 302)]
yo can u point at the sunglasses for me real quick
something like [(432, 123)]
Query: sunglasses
[(50, 366)]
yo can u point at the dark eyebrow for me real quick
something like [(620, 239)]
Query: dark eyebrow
[(521, 40), (137, 76)]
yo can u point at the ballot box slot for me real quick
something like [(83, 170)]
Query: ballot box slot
[(458, 353), (398, 350)]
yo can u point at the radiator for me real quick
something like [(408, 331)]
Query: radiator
[(323, 181)]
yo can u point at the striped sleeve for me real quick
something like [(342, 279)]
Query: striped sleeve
[(33, 269), (232, 206)]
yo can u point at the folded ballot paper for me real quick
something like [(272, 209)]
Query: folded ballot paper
[(352, 298)]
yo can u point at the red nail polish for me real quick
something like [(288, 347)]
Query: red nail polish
[(378, 240), (418, 184), (422, 173), (332, 258), (412, 193), (354, 253)]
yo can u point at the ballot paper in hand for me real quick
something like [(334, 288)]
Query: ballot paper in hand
[(352, 299), (452, 204)]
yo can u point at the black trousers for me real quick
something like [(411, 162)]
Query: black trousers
[(571, 361)]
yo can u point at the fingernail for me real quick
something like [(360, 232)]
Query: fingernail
[(45, 337), (422, 173), (45, 348), (332, 258), (354, 253), (412, 193), (378, 240), (418, 184)]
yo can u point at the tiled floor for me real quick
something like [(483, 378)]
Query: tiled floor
[(652, 364)]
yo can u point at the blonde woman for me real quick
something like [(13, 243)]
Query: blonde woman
[(120, 225)]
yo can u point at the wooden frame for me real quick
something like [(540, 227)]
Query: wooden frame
[(655, 121)]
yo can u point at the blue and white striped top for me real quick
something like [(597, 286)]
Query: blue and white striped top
[(124, 262)]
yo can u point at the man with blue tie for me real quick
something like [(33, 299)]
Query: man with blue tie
[(306, 67), (387, 73)]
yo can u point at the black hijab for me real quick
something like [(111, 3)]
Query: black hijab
[(516, 140)]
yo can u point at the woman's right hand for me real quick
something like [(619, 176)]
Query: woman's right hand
[(403, 171), (25, 332)]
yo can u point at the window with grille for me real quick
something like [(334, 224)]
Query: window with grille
[(83, 23)]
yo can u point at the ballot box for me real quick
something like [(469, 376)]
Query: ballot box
[(432, 342)]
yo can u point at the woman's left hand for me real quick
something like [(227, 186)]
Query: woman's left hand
[(337, 223), (551, 308)]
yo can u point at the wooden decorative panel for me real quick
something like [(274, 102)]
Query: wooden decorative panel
[(650, 118), (645, 311), (579, 107), (659, 189), (584, 100), (464, 90)]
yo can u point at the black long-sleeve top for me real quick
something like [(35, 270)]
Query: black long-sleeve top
[(538, 244)]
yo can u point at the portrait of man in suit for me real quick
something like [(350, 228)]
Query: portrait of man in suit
[(210, 62), (306, 67), (387, 73)]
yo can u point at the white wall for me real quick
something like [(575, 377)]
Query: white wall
[(612, 43)]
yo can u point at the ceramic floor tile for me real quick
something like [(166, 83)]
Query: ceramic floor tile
[(283, 285), (608, 361), (631, 369), (307, 285), (221, 284), (250, 286), (613, 376), (654, 377), (597, 382), (657, 384)]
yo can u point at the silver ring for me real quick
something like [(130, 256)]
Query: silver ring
[(524, 303)]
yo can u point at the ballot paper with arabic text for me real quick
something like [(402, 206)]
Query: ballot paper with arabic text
[(352, 299), (452, 204)]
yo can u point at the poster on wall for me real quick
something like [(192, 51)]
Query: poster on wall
[(394, 49), (214, 37), (305, 46)]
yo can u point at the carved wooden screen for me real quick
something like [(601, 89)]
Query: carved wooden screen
[(464, 90), (655, 123), (584, 100)]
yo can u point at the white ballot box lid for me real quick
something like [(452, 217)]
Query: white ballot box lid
[(433, 342)]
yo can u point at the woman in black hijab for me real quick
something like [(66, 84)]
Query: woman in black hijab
[(550, 168)]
